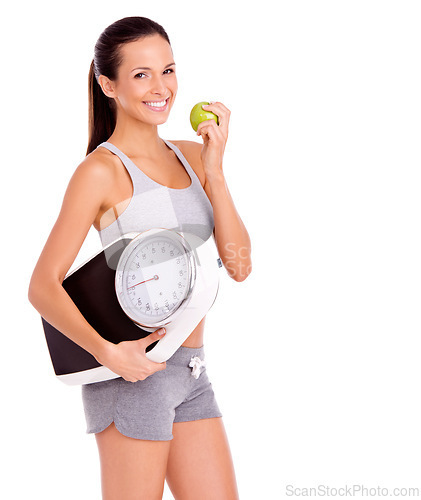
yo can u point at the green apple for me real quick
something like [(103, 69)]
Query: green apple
[(198, 115)]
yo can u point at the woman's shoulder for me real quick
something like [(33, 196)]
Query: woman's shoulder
[(188, 146), (100, 163), (191, 151)]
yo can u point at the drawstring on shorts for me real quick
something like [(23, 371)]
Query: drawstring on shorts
[(196, 363)]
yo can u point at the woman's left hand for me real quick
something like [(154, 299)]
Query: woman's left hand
[(214, 139)]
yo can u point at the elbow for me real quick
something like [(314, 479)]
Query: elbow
[(241, 273), (32, 297), (241, 277), (37, 288), (33, 290)]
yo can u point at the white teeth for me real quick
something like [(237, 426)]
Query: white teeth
[(156, 104)]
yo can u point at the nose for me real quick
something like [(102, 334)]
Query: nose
[(158, 85)]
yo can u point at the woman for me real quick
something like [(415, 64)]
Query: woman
[(156, 421)]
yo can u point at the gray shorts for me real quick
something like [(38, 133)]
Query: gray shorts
[(146, 409)]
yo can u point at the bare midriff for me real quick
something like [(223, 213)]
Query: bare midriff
[(195, 339)]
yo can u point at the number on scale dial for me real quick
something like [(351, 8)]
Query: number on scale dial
[(154, 277)]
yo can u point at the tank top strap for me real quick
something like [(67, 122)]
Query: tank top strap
[(182, 158), (132, 169), (138, 176)]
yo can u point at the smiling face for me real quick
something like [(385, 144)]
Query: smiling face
[(147, 84)]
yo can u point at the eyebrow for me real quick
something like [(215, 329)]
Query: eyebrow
[(167, 66)]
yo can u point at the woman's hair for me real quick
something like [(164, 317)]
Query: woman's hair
[(106, 61)]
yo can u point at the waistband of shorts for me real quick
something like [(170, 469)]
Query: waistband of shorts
[(183, 355)]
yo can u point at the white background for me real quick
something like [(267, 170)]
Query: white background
[(314, 359)]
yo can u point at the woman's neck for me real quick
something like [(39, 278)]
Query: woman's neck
[(136, 138)]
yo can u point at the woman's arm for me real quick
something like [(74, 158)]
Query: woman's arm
[(231, 236), (88, 187), (81, 203)]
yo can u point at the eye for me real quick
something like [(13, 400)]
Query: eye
[(137, 75)]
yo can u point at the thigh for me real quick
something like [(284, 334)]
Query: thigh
[(131, 469), (200, 463)]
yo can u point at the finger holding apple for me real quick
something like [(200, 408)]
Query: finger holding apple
[(223, 114), (198, 114), (212, 153), (214, 134), (216, 111)]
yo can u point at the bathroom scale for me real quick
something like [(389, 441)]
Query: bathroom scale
[(132, 287)]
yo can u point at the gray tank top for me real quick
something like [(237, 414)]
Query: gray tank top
[(155, 205)]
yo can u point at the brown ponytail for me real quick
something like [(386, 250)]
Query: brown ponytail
[(101, 113)]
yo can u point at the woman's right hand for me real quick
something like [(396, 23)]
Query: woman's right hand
[(128, 359)]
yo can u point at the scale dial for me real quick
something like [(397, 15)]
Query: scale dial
[(155, 277)]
